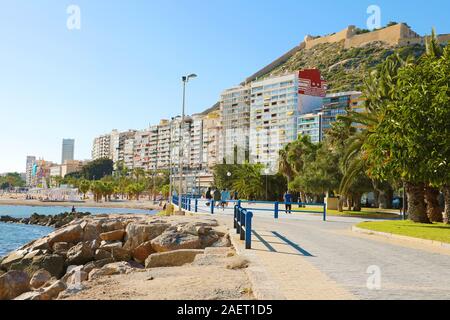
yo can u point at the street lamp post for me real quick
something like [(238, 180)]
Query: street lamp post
[(185, 80)]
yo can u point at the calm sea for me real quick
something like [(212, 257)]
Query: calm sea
[(13, 236)]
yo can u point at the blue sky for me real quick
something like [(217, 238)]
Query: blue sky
[(122, 69)]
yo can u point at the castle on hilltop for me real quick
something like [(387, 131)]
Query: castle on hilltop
[(396, 35)]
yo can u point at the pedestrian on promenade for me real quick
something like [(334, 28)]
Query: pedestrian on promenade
[(217, 197), (288, 201), (208, 196), (74, 210), (225, 197)]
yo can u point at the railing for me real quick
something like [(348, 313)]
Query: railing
[(243, 224), (210, 206)]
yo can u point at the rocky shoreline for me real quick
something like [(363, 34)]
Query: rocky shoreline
[(91, 247), (55, 221)]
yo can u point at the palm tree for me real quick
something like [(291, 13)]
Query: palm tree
[(284, 166)]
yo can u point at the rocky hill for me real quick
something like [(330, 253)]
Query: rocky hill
[(344, 69)]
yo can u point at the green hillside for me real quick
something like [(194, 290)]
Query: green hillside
[(344, 69)]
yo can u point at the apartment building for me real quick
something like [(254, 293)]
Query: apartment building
[(117, 144), (164, 144), (235, 112), (310, 124), (101, 147), (31, 160), (212, 129), (185, 149), (196, 143), (338, 104), (276, 104), (146, 149)]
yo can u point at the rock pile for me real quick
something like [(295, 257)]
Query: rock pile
[(56, 221), (93, 247)]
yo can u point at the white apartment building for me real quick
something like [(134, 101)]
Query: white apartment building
[(235, 112), (101, 147), (212, 129), (128, 153), (146, 149), (164, 145), (310, 124), (117, 144), (276, 104), (186, 141), (196, 143)]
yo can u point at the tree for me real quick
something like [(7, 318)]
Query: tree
[(248, 181), (11, 180), (84, 187), (411, 140), (98, 169)]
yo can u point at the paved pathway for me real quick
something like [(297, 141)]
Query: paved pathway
[(310, 259)]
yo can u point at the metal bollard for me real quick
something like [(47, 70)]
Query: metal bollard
[(212, 206), (196, 205), (248, 230), (242, 226), (277, 209)]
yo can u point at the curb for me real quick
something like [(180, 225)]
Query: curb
[(263, 287), (433, 243)]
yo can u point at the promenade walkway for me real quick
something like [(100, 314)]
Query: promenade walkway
[(306, 258)]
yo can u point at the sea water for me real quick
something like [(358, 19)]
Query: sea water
[(14, 236)]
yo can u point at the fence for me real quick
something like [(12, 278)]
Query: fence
[(243, 225), (212, 207)]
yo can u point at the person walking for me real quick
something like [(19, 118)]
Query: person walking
[(208, 197), (288, 202), (217, 197), (225, 197)]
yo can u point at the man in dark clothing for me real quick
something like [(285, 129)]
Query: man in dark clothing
[(288, 201), (208, 196), (217, 197)]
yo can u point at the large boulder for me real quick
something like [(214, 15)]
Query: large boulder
[(173, 240), (80, 254), (116, 235), (91, 231), (12, 258), (53, 263), (101, 254), (40, 278), (113, 226), (61, 248), (143, 251), (71, 233), (13, 284), (172, 258), (97, 264), (138, 233), (110, 269), (53, 291)]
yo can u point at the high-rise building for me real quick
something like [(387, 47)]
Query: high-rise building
[(235, 112), (337, 104), (276, 104), (164, 144), (117, 145), (212, 129), (310, 124), (31, 160), (68, 149), (101, 147)]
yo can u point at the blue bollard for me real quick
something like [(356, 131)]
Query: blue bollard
[(324, 212), (190, 204), (196, 205), (277, 209), (212, 206), (242, 226), (248, 230)]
